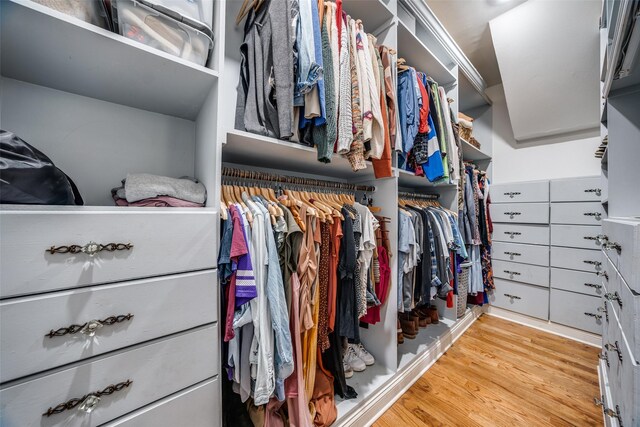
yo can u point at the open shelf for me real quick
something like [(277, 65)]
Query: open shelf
[(365, 384), (261, 151), (471, 153), (428, 337), (373, 13), (421, 58), (410, 180), (42, 46)]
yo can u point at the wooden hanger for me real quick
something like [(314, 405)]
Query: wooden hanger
[(245, 8), (402, 65)]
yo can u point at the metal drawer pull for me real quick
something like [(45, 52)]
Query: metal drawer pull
[(512, 193), (513, 233), (593, 285), (512, 296), (597, 316), (609, 246), (594, 190), (607, 411), (596, 263), (591, 238), (603, 274), (602, 238), (91, 248), (512, 273), (605, 311), (614, 347), (598, 402), (88, 402), (605, 357), (614, 297), (512, 213), (513, 253), (598, 215), (89, 328)]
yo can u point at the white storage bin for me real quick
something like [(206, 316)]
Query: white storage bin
[(192, 12), (141, 23), (91, 11)]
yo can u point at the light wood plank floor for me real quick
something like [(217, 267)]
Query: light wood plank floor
[(501, 373)]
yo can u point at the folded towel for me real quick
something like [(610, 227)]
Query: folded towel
[(465, 123), (463, 116), (145, 186)]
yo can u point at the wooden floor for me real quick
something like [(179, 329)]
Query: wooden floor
[(501, 373)]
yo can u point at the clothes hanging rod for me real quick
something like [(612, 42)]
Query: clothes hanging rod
[(264, 176), (417, 196)]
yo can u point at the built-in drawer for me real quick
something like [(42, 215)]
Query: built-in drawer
[(623, 373), (605, 398), (585, 213), (576, 259), (197, 406), (519, 297), (526, 273), (584, 189), (537, 191), (521, 233), (582, 282), (576, 310), (44, 331), (41, 248), (623, 247), (528, 254), (576, 236), (129, 379), (528, 213)]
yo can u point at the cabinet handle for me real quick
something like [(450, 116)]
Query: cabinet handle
[(605, 311), (613, 245), (513, 233), (512, 213), (89, 328), (88, 402), (608, 411), (596, 263), (605, 357), (512, 193), (614, 347), (591, 238), (594, 190), (512, 273), (603, 274), (614, 297), (598, 215), (512, 296), (597, 316), (593, 285), (513, 253), (91, 248)]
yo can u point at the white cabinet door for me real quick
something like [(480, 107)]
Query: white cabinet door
[(577, 259), (586, 213), (583, 282), (576, 236), (623, 238), (584, 189), (521, 298), (527, 254), (525, 273), (537, 191), (528, 213), (576, 310)]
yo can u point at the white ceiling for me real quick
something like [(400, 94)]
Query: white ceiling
[(468, 23)]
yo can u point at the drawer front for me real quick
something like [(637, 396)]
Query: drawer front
[(521, 233), (156, 369), (577, 281), (586, 189), (528, 254), (525, 273), (605, 394), (159, 307), (520, 192), (625, 234), (526, 299), (577, 259), (528, 213), (198, 406), (163, 242), (576, 310), (588, 213), (576, 236)]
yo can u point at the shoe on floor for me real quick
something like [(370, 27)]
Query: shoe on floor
[(435, 318), (400, 334), (348, 372), (363, 354), (352, 359), (408, 326)]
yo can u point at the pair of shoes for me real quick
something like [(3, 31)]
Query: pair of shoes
[(400, 334), (409, 325), (356, 358), (424, 317), (433, 312)]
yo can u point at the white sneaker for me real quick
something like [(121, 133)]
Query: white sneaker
[(363, 354), (352, 359), (348, 372)]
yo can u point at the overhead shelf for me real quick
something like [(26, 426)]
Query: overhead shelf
[(471, 153), (421, 58), (373, 13), (42, 46), (260, 151), (410, 180)]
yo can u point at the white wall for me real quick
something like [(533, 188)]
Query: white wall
[(548, 159)]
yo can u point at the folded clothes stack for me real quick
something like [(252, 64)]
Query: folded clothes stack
[(159, 191)]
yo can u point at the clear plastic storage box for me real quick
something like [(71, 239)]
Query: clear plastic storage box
[(136, 21), (191, 12), (91, 11)]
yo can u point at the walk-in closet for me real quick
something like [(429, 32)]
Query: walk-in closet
[(319, 212)]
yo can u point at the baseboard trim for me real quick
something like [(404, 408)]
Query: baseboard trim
[(386, 395), (546, 326)]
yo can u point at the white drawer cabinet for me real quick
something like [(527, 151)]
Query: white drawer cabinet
[(576, 236), (44, 331), (576, 310), (162, 241), (605, 395), (521, 233), (527, 254), (198, 406), (576, 259), (623, 241), (585, 189), (522, 298), (586, 213), (537, 191), (533, 274), (530, 213), (155, 369), (582, 282)]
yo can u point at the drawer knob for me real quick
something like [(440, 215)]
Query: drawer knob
[(512, 273), (512, 296), (613, 245), (89, 328), (88, 402), (511, 194), (615, 296), (512, 214), (605, 311), (603, 274), (91, 248), (614, 347), (593, 285), (596, 263), (513, 253), (513, 233), (597, 316), (605, 357), (614, 414), (594, 190), (598, 215)]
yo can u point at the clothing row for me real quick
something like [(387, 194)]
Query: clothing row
[(316, 77), (429, 143), (476, 227), (141, 189), (295, 287)]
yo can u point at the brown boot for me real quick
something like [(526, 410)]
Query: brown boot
[(433, 312), (422, 319), (408, 326), (400, 334), (416, 320)]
